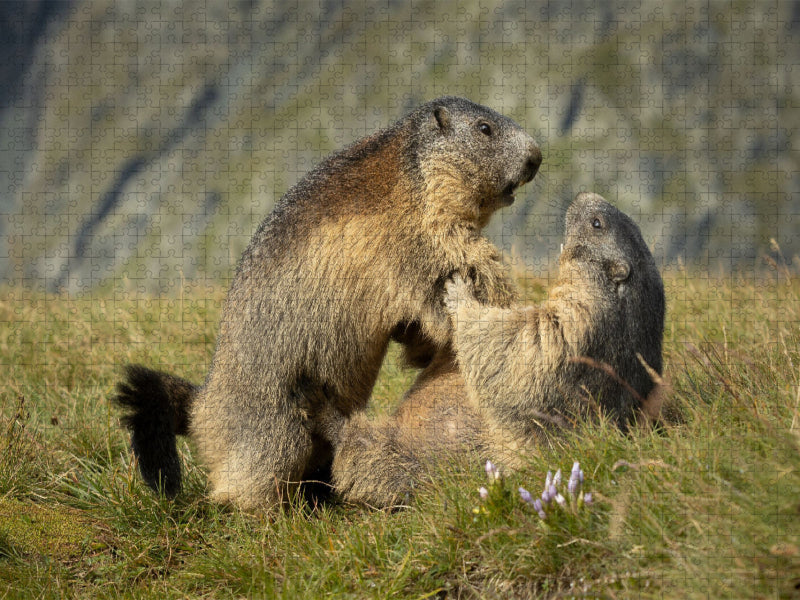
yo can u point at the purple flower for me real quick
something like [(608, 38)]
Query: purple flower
[(537, 504), (576, 467), (557, 478), (492, 471), (560, 499), (572, 485), (484, 493), (525, 495), (548, 481), (587, 498)]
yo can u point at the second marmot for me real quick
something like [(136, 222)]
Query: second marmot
[(520, 373)]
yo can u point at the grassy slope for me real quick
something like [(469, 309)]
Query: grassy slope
[(707, 507)]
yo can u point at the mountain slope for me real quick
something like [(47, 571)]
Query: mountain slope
[(146, 140)]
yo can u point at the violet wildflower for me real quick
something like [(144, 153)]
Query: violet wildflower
[(572, 485), (537, 505), (577, 472), (574, 480), (557, 478), (570, 496), (492, 471)]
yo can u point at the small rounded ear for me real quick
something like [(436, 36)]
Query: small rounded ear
[(618, 270), (442, 116)]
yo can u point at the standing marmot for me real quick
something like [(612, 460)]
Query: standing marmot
[(523, 371), (354, 254)]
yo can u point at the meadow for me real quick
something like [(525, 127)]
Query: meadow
[(704, 505)]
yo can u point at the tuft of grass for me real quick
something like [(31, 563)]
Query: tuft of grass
[(17, 445), (707, 504)]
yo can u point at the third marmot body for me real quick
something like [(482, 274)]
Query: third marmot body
[(355, 254), (518, 373)]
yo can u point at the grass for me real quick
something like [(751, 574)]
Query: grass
[(707, 505)]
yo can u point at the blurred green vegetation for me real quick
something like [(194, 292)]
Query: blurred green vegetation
[(149, 139)]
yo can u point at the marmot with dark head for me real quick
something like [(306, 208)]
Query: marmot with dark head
[(354, 255), (517, 375)]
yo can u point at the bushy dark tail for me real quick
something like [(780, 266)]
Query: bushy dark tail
[(157, 407)]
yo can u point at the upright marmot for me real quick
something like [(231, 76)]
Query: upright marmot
[(354, 254), (519, 373)]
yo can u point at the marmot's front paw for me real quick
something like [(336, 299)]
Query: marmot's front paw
[(493, 287), (495, 292), (457, 293)]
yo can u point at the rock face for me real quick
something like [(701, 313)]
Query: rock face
[(141, 143)]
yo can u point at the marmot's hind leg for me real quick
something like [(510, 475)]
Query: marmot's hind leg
[(265, 471), (372, 466)]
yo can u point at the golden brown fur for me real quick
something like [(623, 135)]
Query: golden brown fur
[(355, 254), (521, 373)]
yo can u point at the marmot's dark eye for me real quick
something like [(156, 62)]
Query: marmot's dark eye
[(597, 224), (485, 128)]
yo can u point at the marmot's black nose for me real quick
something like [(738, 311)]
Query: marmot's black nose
[(531, 164)]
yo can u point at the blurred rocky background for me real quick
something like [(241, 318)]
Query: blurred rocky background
[(141, 142)]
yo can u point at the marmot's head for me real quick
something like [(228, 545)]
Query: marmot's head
[(599, 234), (483, 154), (605, 249)]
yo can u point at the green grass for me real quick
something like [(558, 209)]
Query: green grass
[(708, 505)]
